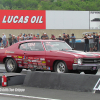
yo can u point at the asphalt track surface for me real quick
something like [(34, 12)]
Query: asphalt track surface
[(32, 93)]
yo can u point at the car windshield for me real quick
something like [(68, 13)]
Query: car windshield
[(54, 45)]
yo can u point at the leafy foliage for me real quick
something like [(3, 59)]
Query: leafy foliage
[(83, 5)]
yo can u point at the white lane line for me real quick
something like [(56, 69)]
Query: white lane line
[(24, 96)]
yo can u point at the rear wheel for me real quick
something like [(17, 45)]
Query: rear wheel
[(90, 72), (61, 67), (11, 66)]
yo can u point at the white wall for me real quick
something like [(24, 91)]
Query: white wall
[(67, 19)]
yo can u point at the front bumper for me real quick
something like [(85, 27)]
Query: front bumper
[(86, 67)]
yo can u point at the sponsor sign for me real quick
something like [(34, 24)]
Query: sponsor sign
[(34, 63), (25, 62), (42, 58), (20, 57), (8, 52), (30, 65), (19, 62), (31, 58), (94, 19), (43, 64), (29, 62), (34, 60), (22, 19), (39, 64), (9, 56), (42, 19), (48, 68), (15, 56), (20, 65), (43, 61), (44, 67), (39, 67), (39, 61)]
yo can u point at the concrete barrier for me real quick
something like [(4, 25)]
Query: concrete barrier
[(13, 78), (72, 82)]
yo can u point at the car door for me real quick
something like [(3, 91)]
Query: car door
[(51, 55), (34, 55)]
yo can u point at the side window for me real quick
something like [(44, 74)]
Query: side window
[(34, 46), (23, 46)]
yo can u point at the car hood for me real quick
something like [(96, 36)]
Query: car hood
[(80, 54)]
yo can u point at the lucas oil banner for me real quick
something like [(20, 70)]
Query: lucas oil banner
[(22, 19)]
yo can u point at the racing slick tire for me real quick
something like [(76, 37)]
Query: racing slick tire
[(90, 72), (61, 67), (11, 66)]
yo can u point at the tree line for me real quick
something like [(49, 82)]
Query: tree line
[(77, 5)]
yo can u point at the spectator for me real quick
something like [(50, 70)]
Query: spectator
[(64, 36), (42, 36), (18, 38), (34, 37), (91, 43), (66, 39), (37, 37), (53, 37), (93, 36), (86, 45), (4, 39), (73, 40), (97, 42), (94, 43), (21, 37), (45, 36), (14, 39), (59, 38), (0, 41), (7, 43), (25, 37), (10, 39), (31, 36)]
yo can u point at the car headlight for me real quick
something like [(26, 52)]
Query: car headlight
[(79, 61)]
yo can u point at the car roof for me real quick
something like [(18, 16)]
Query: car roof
[(16, 45), (38, 41)]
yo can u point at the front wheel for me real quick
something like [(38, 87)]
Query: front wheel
[(11, 66), (61, 67), (90, 72)]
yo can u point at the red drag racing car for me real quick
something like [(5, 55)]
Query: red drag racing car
[(52, 55)]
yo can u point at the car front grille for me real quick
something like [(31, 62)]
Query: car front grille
[(90, 60)]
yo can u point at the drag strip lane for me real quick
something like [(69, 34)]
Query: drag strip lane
[(25, 96)]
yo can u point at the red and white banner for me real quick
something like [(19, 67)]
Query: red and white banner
[(22, 19), (44, 19)]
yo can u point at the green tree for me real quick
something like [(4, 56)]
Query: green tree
[(84, 5)]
